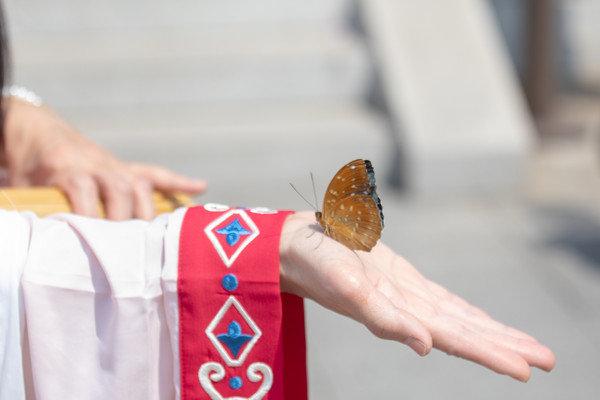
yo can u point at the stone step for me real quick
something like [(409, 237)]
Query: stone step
[(229, 90), (150, 127), (79, 15), (249, 148), (176, 44), (182, 66)]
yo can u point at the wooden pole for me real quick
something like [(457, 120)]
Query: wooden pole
[(46, 200), (540, 74)]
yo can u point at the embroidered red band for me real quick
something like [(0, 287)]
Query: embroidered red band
[(239, 338)]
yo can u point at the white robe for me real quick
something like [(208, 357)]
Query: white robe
[(88, 308)]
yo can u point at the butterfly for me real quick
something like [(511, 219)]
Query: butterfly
[(352, 212)]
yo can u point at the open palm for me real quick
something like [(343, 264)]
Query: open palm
[(394, 301)]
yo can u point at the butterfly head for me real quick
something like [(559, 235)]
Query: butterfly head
[(319, 216)]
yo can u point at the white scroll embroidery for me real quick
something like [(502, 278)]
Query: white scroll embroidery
[(214, 372), (215, 207), (262, 210)]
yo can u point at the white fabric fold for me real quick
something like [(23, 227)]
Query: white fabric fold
[(14, 242), (100, 305)]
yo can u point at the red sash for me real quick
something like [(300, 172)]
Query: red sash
[(239, 337)]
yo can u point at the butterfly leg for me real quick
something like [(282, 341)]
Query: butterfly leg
[(321, 241), (359, 259)]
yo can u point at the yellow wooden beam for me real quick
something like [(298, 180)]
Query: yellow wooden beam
[(46, 200)]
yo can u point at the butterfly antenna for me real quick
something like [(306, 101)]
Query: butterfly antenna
[(303, 198), (312, 179)]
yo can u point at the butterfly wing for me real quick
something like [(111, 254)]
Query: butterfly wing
[(355, 177), (352, 212), (356, 222)]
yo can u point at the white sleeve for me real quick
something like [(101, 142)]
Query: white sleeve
[(95, 310), (14, 243), (169, 285)]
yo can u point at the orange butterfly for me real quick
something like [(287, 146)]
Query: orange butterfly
[(352, 212)]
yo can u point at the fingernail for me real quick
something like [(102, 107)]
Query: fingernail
[(525, 378), (417, 345)]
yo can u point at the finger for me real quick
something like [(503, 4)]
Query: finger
[(486, 322), (143, 204), (168, 181), (82, 192), (445, 294), (455, 340), (461, 308), (17, 178), (386, 321), (117, 195), (536, 355)]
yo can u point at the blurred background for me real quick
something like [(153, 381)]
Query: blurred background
[(482, 119)]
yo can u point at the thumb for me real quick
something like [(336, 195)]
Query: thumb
[(168, 181)]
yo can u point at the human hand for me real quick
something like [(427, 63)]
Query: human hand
[(42, 149), (394, 301)]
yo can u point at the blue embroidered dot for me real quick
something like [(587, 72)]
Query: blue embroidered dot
[(235, 382), (229, 282)]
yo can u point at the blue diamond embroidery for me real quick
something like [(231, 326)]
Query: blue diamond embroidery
[(234, 339), (233, 231)]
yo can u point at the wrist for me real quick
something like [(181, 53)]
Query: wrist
[(15, 99), (290, 253), (34, 130), (15, 143), (29, 133)]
